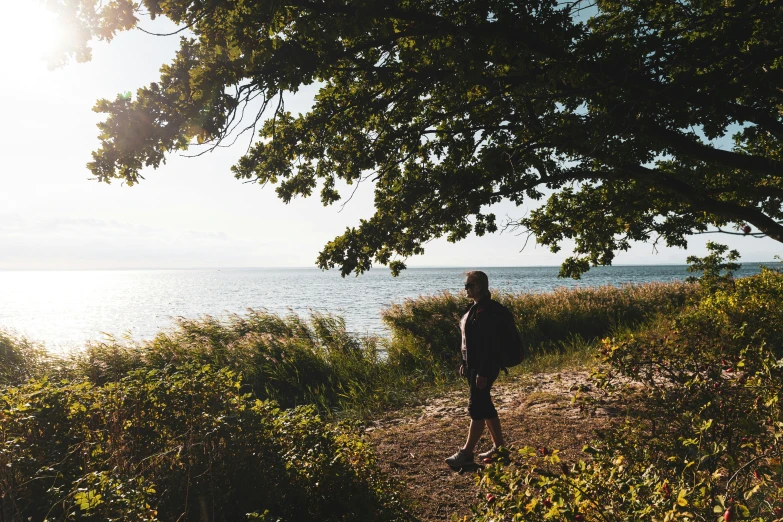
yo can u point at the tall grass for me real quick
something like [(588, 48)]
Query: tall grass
[(296, 361), (425, 331), (288, 359), (20, 358), (167, 428)]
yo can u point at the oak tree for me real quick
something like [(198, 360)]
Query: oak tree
[(614, 113)]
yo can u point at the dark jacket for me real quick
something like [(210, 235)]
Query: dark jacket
[(483, 326)]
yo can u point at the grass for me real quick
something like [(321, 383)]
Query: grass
[(555, 326), (573, 354), (296, 361), (287, 359), (21, 358)]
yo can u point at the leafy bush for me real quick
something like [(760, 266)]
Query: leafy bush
[(425, 331), (179, 443), (704, 440), (712, 265)]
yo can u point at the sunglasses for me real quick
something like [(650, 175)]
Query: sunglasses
[(468, 285)]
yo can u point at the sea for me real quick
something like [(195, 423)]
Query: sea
[(66, 309)]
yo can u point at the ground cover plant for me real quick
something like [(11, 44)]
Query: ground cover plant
[(704, 439)]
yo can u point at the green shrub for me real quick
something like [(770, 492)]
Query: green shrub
[(712, 265), (704, 440), (751, 309), (179, 444)]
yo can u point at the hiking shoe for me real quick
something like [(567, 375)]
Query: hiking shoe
[(491, 454), (460, 458), (496, 454)]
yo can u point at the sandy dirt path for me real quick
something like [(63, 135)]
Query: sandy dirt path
[(535, 410)]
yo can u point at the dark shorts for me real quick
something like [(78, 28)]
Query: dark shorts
[(480, 405)]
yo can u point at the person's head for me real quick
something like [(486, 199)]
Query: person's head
[(476, 284)]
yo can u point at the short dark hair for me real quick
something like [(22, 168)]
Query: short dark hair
[(480, 278)]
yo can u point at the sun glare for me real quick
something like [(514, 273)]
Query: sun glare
[(29, 34)]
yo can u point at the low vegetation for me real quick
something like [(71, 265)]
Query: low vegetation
[(180, 443), (317, 361), (240, 418), (20, 359), (704, 439)]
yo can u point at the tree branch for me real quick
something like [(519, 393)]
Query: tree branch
[(699, 201), (710, 154)]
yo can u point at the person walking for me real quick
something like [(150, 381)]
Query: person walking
[(482, 326)]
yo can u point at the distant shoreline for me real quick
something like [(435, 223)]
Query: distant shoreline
[(316, 269)]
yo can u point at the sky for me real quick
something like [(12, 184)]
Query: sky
[(190, 212)]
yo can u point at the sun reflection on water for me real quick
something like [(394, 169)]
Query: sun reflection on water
[(65, 309)]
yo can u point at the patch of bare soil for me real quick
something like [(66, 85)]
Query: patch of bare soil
[(535, 410)]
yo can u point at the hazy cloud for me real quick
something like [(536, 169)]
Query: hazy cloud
[(30, 243)]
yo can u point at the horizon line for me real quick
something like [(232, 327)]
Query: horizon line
[(300, 267)]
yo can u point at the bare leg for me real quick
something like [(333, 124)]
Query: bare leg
[(495, 432), (474, 434)]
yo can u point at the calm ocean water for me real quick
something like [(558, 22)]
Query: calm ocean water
[(64, 309)]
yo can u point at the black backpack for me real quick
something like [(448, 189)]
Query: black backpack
[(511, 351)]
